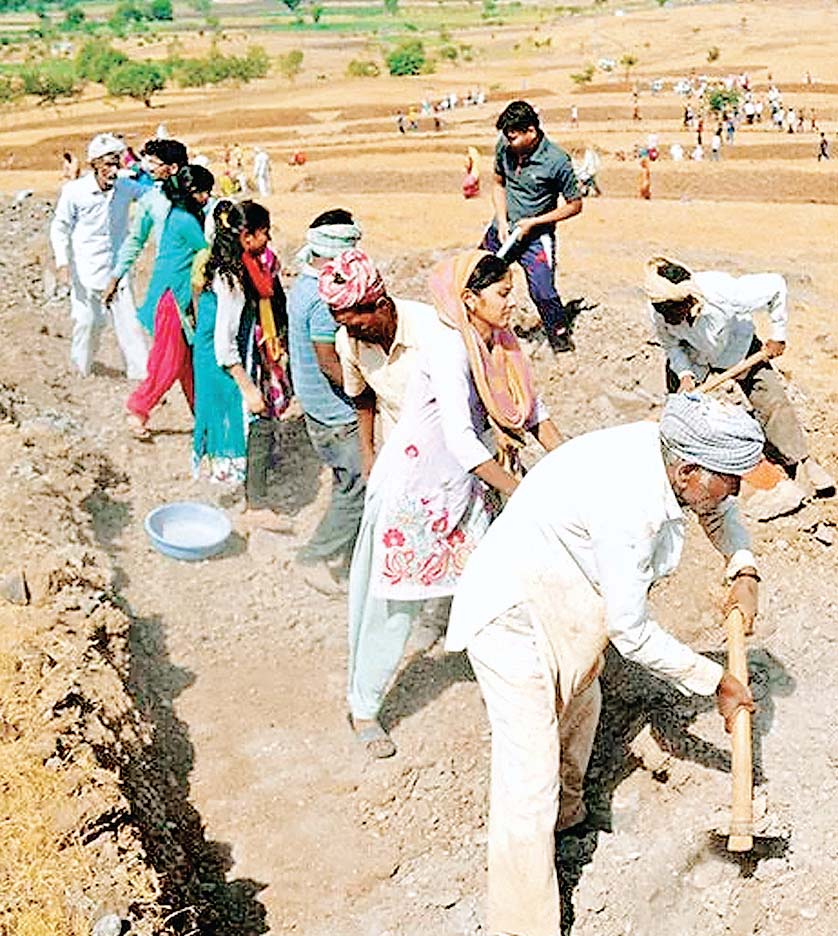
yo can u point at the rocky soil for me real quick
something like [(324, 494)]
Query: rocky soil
[(219, 781)]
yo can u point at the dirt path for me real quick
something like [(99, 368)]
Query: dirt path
[(318, 841)]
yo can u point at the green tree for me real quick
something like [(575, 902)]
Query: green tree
[(73, 19), (586, 76), (628, 61), (96, 59), (161, 10), (391, 6), (51, 80), (720, 99), (316, 12), (139, 80), (408, 59), (292, 4), (291, 64)]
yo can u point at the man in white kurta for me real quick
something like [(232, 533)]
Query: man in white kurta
[(379, 353), (89, 225), (563, 570), (705, 322)]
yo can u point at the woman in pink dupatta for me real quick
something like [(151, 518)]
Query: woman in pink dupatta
[(434, 485)]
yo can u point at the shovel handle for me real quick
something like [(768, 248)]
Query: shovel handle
[(741, 836), (744, 365)]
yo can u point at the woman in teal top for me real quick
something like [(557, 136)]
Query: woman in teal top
[(220, 433), (168, 302), (183, 236)]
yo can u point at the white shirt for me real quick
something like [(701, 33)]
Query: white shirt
[(89, 226), (261, 164), (604, 498), (231, 300), (722, 334), (387, 374)]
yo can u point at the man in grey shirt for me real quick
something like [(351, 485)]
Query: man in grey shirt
[(534, 188)]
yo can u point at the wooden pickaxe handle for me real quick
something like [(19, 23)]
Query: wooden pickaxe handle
[(744, 365), (741, 836)]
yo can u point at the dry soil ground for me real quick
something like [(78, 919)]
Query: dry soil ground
[(251, 663)]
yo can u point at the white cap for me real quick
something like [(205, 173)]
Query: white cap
[(104, 144)]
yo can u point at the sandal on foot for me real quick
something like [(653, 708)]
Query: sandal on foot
[(377, 743), (137, 427)]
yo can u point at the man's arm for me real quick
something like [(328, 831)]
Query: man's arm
[(499, 204), (329, 362), (365, 404), (142, 225), (559, 213), (769, 291), (676, 356), (725, 531), (60, 231)]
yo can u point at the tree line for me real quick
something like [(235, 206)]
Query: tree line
[(99, 62)]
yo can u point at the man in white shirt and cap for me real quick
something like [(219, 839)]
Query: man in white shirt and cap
[(704, 320), (89, 225), (565, 569)]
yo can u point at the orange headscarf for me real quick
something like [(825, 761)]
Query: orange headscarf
[(502, 376)]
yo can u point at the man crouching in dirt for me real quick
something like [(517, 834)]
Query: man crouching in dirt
[(563, 570), (704, 320)]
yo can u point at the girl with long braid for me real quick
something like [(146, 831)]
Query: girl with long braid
[(241, 383)]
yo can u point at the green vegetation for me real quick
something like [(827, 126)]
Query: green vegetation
[(291, 64), (408, 59), (51, 81), (586, 76), (139, 80), (720, 99), (628, 61), (96, 59), (217, 68), (363, 68)]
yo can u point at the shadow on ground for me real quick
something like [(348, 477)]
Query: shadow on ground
[(155, 779), (631, 699)]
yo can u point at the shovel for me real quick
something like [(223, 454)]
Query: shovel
[(741, 837)]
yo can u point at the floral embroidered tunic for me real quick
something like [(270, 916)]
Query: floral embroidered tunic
[(428, 509)]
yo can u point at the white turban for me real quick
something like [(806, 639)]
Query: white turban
[(718, 436), (104, 144), (329, 240), (659, 289)]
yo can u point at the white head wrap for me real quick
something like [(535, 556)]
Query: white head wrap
[(659, 289), (329, 240), (717, 436), (104, 144)]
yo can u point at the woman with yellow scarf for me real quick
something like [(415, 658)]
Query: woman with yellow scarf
[(434, 485)]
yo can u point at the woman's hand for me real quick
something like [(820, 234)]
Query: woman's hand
[(254, 400)]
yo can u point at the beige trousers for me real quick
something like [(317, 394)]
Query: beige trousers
[(540, 752)]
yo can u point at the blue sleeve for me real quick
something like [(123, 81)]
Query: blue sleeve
[(322, 326)]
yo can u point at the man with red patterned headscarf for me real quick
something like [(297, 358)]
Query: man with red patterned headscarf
[(377, 343)]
